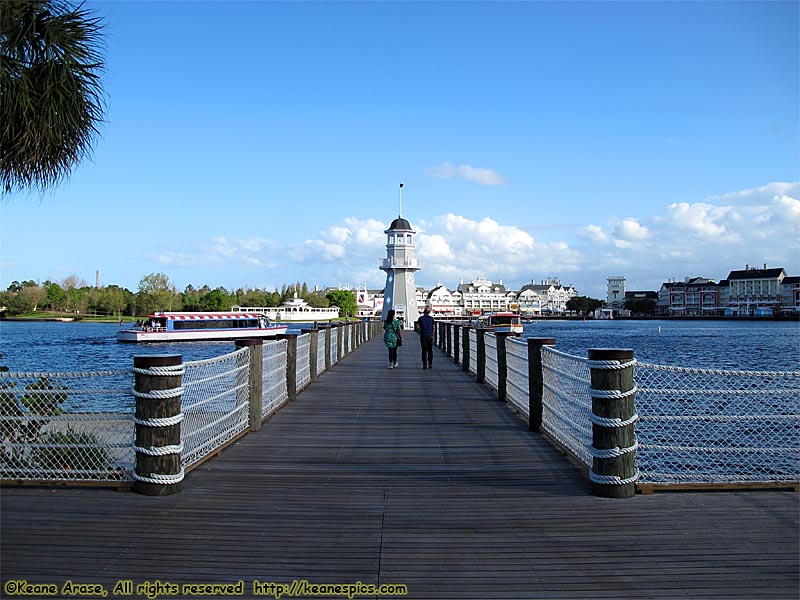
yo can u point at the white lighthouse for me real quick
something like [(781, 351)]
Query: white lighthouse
[(400, 290)]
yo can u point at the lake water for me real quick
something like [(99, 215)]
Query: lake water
[(738, 345)]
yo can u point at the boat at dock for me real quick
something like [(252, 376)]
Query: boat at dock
[(200, 326), (501, 322)]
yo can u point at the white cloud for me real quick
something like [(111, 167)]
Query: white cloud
[(482, 176), (631, 230), (709, 237)]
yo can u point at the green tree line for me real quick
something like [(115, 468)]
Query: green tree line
[(155, 292)]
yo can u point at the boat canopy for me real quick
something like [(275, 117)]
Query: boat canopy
[(184, 316)]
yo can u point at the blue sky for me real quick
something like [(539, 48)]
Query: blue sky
[(256, 143)]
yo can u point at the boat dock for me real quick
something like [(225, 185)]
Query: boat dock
[(418, 480)]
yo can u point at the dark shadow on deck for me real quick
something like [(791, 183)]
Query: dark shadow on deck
[(406, 476)]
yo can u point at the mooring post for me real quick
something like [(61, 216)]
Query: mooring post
[(465, 347), (480, 366), (536, 381), (502, 363), (255, 379), (158, 392), (313, 347), (613, 450), (291, 364)]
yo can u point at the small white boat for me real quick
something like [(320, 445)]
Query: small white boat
[(200, 326), (503, 322)]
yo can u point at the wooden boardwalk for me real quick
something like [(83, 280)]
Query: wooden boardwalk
[(409, 476)]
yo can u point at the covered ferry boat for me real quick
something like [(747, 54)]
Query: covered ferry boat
[(501, 322), (200, 326)]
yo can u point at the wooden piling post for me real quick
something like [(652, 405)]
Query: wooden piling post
[(613, 450), (291, 364), (465, 345), (449, 342), (255, 379), (312, 352), (158, 392), (456, 342), (502, 363), (480, 367), (536, 381)]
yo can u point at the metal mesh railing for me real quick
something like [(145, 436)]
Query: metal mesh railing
[(334, 345), (215, 403), (320, 352), (566, 403), (517, 374), (303, 370), (491, 376), (473, 351), (66, 426), (714, 426), (273, 377)]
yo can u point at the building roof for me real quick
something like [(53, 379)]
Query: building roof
[(794, 280), (643, 294), (757, 274), (400, 223)]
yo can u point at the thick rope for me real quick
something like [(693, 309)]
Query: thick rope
[(160, 394), (614, 422), (612, 479), (612, 452), (720, 371), (609, 365), (160, 450), (162, 422), (160, 479), (168, 371), (613, 394)]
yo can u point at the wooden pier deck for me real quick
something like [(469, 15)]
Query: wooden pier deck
[(409, 476)]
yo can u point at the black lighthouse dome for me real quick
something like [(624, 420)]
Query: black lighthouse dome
[(400, 223)]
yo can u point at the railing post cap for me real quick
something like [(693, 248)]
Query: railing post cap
[(286, 336), (541, 341), (248, 342), (610, 353), (157, 360), (305, 330)]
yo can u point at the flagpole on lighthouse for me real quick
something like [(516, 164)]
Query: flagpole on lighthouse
[(400, 214)]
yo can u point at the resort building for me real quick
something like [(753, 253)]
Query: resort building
[(790, 296), (615, 288), (442, 303), (755, 291), (553, 295), (482, 296)]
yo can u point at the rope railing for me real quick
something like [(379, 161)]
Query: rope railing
[(214, 404), (303, 360), (66, 426), (491, 361), (274, 391)]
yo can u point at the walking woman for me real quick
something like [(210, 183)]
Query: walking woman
[(392, 337)]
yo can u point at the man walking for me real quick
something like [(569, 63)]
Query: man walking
[(425, 327)]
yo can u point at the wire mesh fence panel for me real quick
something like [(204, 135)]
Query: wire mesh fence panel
[(66, 426), (303, 370), (473, 351), (566, 403), (215, 403), (715, 426), (320, 351), (274, 393), (334, 345), (517, 374), (491, 376)]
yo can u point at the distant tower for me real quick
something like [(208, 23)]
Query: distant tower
[(97, 279), (616, 288), (400, 291)]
